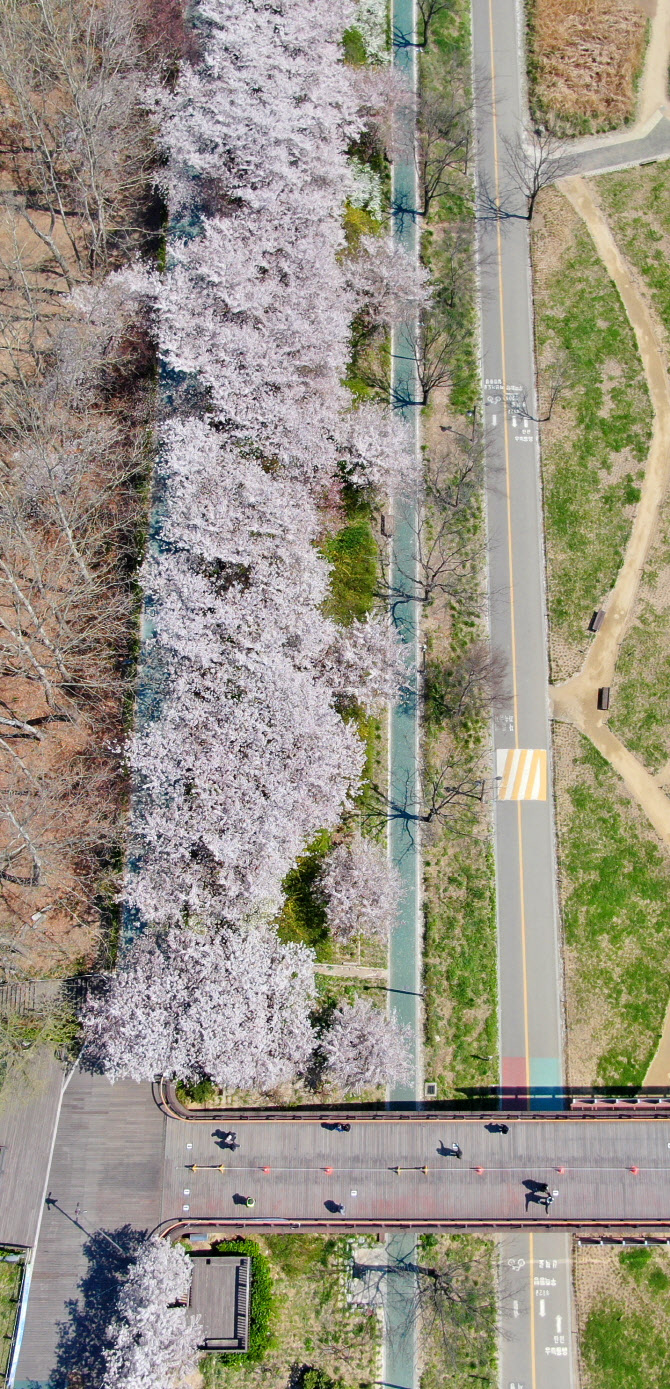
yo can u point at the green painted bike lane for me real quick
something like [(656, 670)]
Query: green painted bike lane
[(400, 1350)]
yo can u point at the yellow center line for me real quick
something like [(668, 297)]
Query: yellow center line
[(509, 540), (524, 969)]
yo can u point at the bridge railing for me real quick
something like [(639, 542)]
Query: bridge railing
[(512, 1110)]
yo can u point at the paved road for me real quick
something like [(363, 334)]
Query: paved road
[(622, 150), (531, 1043), (400, 1358)]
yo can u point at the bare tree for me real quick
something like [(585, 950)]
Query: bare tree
[(474, 683), (78, 147), (423, 361), (441, 147), (428, 12), (443, 142), (454, 475), (435, 562), (441, 794), (555, 379), (449, 1289), (530, 165)]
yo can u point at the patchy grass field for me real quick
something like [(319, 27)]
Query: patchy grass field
[(584, 62), (615, 889), (313, 1325), (641, 687), (460, 954), (460, 965), (637, 203), (459, 1340), (623, 1307), (595, 444)]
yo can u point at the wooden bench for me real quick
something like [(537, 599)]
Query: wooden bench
[(597, 620)]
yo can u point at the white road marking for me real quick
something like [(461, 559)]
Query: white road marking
[(522, 774)]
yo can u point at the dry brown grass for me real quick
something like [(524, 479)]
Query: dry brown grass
[(586, 58)]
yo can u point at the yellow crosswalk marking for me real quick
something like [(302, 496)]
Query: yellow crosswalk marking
[(522, 774)]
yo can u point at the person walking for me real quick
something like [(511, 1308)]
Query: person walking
[(457, 1150)]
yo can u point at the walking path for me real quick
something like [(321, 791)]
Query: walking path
[(529, 970), (401, 1348), (653, 91), (352, 972)]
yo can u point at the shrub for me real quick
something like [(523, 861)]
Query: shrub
[(262, 1299)]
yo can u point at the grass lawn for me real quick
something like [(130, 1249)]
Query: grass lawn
[(625, 1324), (11, 1276), (615, 882), (312, 1325), (595, 445), (638, 206), (460, 965), (637, 203)]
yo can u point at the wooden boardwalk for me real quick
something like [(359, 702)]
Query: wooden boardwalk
[(105, 1175), (597, 1185), (27, 1124), (121, 1165)]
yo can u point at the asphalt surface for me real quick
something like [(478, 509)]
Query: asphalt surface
[(531, 1044)]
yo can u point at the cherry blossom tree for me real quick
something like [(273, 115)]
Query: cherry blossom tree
[(366, 661), (388, 280), (364, 1046), (249, 756), (153, 1344), (387, 105), (377, 450), (361, 888), (245, 754), (232, 1005)]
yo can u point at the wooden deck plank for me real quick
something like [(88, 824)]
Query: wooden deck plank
[(26, 1134), (106, 1174), (118, 1162)]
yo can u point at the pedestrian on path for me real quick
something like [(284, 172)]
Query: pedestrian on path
[(457, 1150)]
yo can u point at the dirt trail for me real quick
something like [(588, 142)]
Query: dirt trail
[(576, 700), (352, 972), (653, 92)]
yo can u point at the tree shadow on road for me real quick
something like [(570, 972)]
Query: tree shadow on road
[(82, 1336)]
